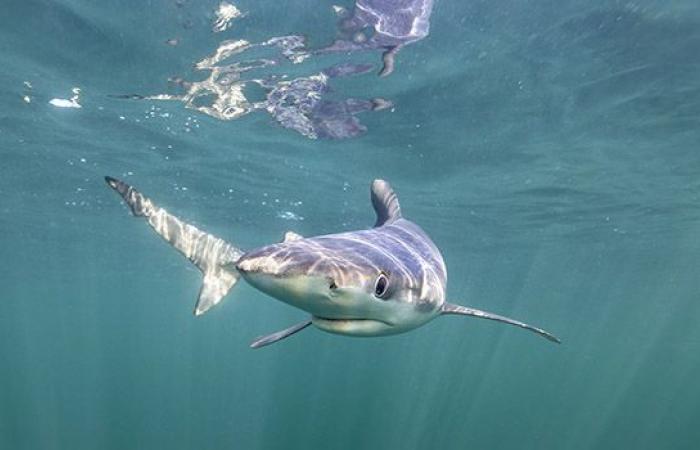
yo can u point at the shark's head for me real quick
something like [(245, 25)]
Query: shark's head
[(346, 287), (384, 280)]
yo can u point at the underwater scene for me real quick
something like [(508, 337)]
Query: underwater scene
[(355, 185)]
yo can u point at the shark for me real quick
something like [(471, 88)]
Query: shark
[(385, 280)]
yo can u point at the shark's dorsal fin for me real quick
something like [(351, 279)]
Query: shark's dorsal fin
[(385, 203)]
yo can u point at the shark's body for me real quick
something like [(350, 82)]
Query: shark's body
[(385, 280), (352, 262)]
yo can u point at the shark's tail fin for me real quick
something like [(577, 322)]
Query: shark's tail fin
[(214, 257)]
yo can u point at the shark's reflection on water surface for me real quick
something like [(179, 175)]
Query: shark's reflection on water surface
[(307, 104)]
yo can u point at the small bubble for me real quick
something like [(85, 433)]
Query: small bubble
[(288, 215)]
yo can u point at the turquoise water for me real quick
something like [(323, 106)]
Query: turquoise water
[(549, 148)]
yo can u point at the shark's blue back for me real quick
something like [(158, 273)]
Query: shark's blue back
[(400, 249)]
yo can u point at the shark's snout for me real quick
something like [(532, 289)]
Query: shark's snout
[(258, 264), (248, 265), (272, 270)]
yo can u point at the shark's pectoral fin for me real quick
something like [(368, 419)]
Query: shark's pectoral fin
[(449, 308), (262, 341)]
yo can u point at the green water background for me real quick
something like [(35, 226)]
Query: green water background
[(549, 148)]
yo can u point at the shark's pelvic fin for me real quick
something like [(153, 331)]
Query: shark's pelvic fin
[(262, 341), (449, 308), (213, 256), (292, 236), (385, 203)]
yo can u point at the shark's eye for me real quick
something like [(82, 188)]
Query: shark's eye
[(381, 286), (333, 285)]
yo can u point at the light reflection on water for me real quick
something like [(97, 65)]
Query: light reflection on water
[(302, 103)]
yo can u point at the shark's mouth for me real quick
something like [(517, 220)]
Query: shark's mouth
[(352, 320), (354, 327)]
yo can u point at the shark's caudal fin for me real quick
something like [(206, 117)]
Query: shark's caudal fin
[(214, 257), (449, 308)]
